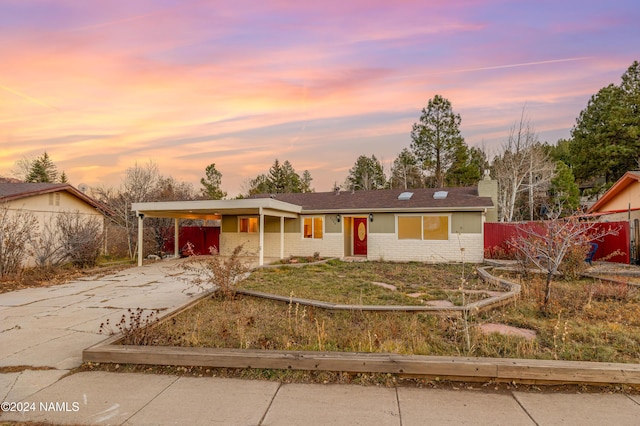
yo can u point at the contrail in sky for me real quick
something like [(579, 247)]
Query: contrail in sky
[(27, 97), (525, 64)]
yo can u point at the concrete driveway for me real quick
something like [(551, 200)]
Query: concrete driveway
[(47, 328)]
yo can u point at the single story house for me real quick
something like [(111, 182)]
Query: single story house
[(46, 200), (432, 225), (621, 201)]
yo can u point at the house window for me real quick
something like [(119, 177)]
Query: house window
[(423, 227), (435, 227), (409, 228), (54, 199), (312, 227), (249, 224)]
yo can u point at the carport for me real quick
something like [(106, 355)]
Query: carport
[(213, 210)]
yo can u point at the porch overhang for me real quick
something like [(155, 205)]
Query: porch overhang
[(214, 209)]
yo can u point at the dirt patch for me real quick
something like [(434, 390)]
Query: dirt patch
[(440, 303), (507, 330)]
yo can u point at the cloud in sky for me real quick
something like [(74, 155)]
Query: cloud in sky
[(101, 85)]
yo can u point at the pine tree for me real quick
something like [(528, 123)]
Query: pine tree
[(366, 174), (565, 194), (281, 178), (436, 139), (606, 138), (42, 170), (211, 183)]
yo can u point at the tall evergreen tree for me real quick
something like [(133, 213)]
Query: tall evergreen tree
[(565, 194), (281, 178), (436, 139), (366, 174), (42, 170), (211, 183), (606, 138), (468, 167)]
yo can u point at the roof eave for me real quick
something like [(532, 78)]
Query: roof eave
[(397, 210)]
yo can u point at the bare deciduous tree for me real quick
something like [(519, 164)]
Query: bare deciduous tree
[(17, 228), (522, 166), (138, 185), (546, 244)]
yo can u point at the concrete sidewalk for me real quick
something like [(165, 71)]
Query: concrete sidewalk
[(146, 399), (45, 330)]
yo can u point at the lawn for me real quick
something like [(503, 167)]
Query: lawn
[(587, 320), (366, 283)]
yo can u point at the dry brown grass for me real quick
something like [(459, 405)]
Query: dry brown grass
[(576, 326)]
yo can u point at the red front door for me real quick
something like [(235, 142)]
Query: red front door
[(360, 236)]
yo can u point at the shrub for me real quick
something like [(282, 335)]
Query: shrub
[(573, 264), (81, 238), (17, 228), (47, 247), (136, 329), (219, 273)]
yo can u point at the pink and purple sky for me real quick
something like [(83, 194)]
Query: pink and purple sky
[(102, 85)]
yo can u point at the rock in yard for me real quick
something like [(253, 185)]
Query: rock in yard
[(507, 330), (387, 286)]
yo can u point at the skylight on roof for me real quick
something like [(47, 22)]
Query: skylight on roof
[(405, 196), (440, 195)]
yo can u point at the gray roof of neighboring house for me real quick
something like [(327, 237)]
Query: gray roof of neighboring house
[(16, 191), (463, 198)]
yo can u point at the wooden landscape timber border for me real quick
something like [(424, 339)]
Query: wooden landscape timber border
[(445, 368), (513, 292)]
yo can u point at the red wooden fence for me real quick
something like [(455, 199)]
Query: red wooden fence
[(497, 236), (202, 237)]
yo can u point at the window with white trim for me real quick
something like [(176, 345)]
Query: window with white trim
[(248, 224), (312, 227)]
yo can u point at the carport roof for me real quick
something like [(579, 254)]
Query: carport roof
[(205, 208)]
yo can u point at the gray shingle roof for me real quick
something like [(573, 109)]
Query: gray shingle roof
[(457, 198), (16, 191)]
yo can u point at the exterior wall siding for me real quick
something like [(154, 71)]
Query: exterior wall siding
[(230, 240), (46, 207), (294, 245), (629, 195), (381, 245)]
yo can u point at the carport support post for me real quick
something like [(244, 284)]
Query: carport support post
[(281, 237), (176, 247), (261, 226), (140, 234)]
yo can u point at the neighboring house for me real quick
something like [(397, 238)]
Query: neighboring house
[(432, 225), (46, 200), (621, 201)]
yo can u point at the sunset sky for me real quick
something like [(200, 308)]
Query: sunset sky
[(101, 85)]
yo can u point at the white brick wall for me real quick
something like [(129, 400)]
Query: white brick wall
[(388, 247), (294, 245), (230, 240), (380, 246)]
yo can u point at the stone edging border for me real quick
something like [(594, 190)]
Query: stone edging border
[(513, 292)]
